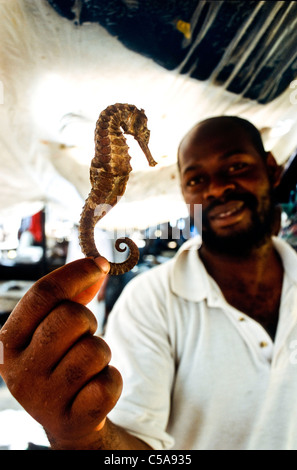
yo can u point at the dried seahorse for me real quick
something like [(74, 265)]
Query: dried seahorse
[(109, 174)]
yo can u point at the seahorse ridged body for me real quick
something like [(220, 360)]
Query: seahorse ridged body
[(109, 173)]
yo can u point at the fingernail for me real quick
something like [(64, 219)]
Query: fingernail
[(102, 264)]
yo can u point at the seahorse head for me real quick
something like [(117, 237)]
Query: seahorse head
[(137, 126)]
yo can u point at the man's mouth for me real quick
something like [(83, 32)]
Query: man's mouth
[(227, 213)]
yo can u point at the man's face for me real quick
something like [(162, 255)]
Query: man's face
[(221, 169)]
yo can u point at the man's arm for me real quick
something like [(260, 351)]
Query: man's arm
[(57, 369)]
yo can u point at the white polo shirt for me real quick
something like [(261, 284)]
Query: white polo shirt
[(198, 373)]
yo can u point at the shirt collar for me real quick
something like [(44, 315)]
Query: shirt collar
[(190, 280)]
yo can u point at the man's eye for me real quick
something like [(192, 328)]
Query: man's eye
[(237, 167), (195, 181)]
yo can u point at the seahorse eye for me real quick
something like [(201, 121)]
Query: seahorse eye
[(139, 123)]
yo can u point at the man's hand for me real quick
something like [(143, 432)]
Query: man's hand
[(53, 364)]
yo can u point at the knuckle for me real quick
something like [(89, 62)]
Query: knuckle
[(95, 349), (111, 387), (69, 313), (42, 296), (89, 357), (111, 383), (115, 379), (45, 286)]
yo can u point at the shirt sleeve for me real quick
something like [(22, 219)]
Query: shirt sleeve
[(137, 333)]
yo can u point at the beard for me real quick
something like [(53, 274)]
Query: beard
[(242, 241)]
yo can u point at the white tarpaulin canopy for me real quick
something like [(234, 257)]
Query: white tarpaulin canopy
[(58, 73)]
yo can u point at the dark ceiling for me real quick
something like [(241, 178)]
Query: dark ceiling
[(204, 39)]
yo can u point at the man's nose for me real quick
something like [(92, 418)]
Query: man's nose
[(218, 188)]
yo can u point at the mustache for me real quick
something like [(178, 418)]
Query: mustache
[(248, 199)]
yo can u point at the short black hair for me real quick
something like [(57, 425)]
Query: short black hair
[(251, 130)]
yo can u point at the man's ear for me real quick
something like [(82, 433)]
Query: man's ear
[(274, 170)]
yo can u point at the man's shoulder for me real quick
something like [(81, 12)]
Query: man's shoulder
[(165, 267), (288, 257), (175, 272), (152, 275)]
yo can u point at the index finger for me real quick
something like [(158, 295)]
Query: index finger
[(78, 281)]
